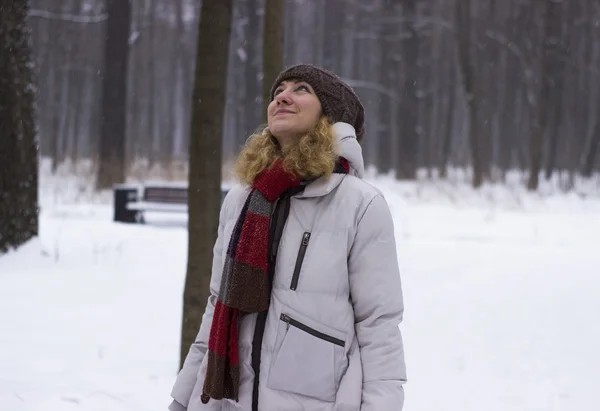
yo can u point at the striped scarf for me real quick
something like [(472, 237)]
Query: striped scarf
[(245, 284)]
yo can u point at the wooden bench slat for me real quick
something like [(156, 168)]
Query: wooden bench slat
[(156, 197), (171, 195)]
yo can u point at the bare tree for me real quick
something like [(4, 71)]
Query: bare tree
[(388, 109), (468, 75), (592, 141), (18, 145), (406, 59), (111, 160), (409, 109), (550, 75), (272, 46), (204, 191), (253, 97), (449, 56)]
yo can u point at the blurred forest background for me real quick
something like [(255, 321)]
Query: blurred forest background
[(483, 85), (500, 95)]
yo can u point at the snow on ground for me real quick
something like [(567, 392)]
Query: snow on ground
[(502, 295)]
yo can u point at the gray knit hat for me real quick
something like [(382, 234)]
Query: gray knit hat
[(339, 101)]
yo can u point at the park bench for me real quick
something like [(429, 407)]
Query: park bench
[(132, 201)]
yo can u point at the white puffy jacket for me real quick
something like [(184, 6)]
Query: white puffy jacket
[(331, 335)]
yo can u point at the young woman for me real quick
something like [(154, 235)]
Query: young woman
[(306, 298)]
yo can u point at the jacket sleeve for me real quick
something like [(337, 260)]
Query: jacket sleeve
[(186, 379), (376, 294)]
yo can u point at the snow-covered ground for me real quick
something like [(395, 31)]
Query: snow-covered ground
[(502, 294)]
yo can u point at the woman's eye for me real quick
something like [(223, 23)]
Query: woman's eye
[(302, 88)]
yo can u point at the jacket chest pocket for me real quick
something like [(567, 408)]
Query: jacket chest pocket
[(309, 361), (316, 263)]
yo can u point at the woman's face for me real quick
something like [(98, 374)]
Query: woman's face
[(294, 111)]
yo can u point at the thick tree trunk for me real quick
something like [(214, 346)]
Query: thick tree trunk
[(273, 35), (204, 192), (151, 99), (18, 140), (111, 167)]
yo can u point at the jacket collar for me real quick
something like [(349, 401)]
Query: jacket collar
[(350, 149)]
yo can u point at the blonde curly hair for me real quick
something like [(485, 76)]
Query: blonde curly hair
[(314, 154)]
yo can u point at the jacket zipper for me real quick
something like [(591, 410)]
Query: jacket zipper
[(295, 323), (300, 260), (280, 215)]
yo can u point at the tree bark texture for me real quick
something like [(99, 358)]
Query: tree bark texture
[(18, 139), (204, 195)]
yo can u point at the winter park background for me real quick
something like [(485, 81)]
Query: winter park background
[(483, 130)]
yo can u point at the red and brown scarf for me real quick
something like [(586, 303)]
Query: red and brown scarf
[(245, 284)]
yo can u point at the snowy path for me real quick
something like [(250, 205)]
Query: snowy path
[(501, 311)]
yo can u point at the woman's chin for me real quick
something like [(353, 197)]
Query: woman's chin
[(285, 133)]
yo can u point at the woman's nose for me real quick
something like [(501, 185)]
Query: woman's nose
[(283, 97)]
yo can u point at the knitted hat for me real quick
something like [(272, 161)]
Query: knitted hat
[(339, 101)]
